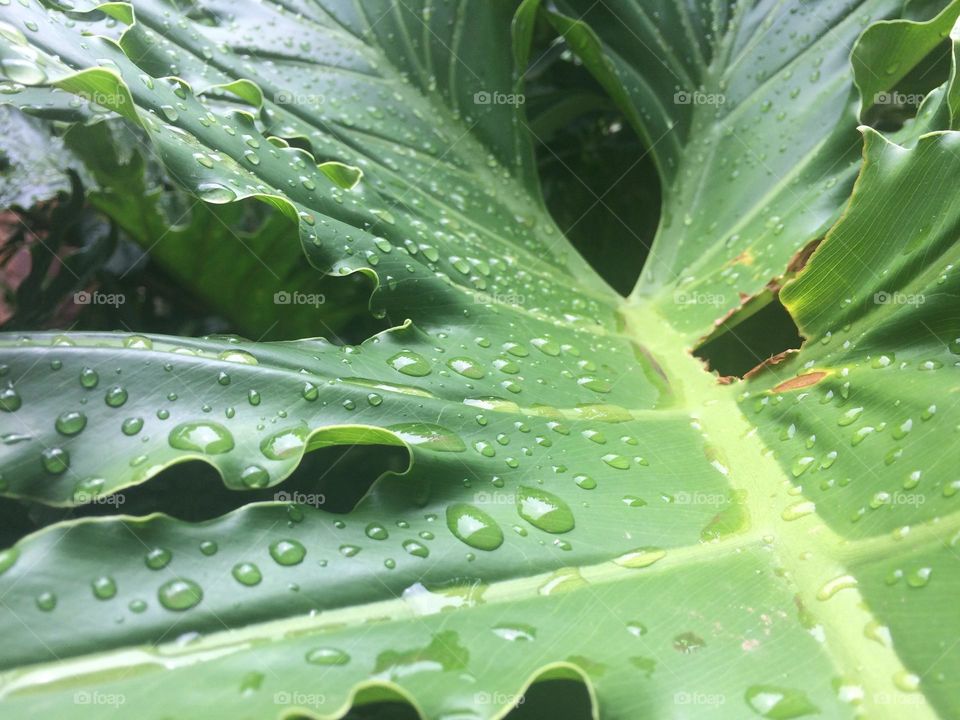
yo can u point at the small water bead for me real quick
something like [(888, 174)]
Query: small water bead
[(310, 392), (10, 400), (832, 587), (209, 548), (8, 558), (104, 587), (416, 549), (801, 464), (208, 438), (616, 461), (132, 425), (544, 510), (409, 363), (585, 481), (778, 703), (906, 681), (919, 577), (641, 557), (71, 422), (374, 399), (284, 444), (137, 606), (850, 416), (428, 436), (633, 501), (375, 531), (287, 552), (179, 594), (158, 558), (254, 476), (55, 460), (473, 526), (46, 601), (595, 384), (636, 628), (350, 550), (116, 396), (594, 436), (327, 656), (89, 378), (467, 367), (246, 573)]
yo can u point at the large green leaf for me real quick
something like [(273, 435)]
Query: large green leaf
[(750, 110), (583, 499)]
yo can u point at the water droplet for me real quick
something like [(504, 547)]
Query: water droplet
[(327, 656), (104, 587), (285, 443), (204, 437), (179, 594), (515, 632), (429, 437), (287, 552), (46, 601), (641, 557), (544, 510), (409, 363), (116, 396), (158, 558), (131, 426), (55, 460), (832, 587), (778, 703), (254, 476), (415, 548), (89, 378), (246, 573), (71, 422), (466, 367), (474, 527), (375, 531)]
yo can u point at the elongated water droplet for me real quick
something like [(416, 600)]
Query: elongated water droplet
[(544, 510)]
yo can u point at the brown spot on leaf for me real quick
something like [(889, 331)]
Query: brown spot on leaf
[(770, 362), (801, 381)]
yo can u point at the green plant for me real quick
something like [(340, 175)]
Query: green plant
[(584, 500)]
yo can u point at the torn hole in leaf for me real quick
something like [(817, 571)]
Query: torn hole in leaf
[(557, 698), (332, 478), (759, 330), (892, 109), (599, 182)]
